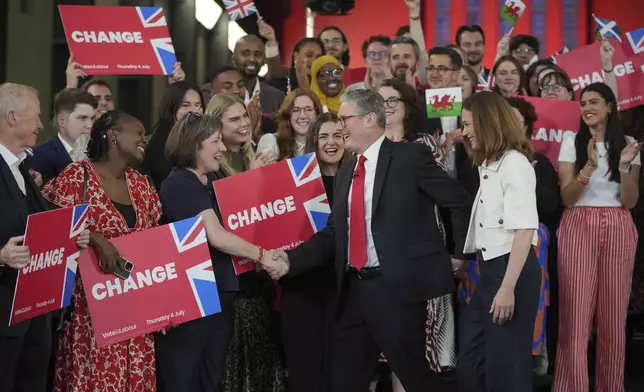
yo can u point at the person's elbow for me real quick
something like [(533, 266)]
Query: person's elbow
[(629, 202)]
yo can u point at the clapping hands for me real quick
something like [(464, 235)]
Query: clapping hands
[(275, 263)]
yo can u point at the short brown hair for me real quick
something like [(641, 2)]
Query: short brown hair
[(67, 100), (186, 137), (496, 126)]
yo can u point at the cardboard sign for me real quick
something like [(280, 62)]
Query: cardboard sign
[(119, 40), (47, 282), (285, 205), (555, 119), (172, 282), (584, 66)]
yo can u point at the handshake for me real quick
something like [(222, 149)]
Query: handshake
[(275, 263)]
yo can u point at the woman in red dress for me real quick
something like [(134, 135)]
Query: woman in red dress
[(121, 201)]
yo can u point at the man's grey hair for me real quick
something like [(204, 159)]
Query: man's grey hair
[(14, 96), (408, 41), (368, 101)]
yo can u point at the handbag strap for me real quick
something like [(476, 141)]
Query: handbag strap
[(85, 180)]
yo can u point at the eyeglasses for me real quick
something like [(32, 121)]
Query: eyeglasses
[(519, 51), (333, 41), (336, 73), (306, 110), (343, 120), (440, 69), (555, 88), (392, 102), (377, 55)]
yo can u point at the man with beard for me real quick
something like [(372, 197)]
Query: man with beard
[(102, 92), (471, 39), (74, 114), (248, 58), (404, 60)]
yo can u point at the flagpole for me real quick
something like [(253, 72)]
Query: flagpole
[(310, 22)]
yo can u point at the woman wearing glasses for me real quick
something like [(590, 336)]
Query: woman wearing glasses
[(295, 116), (327, 82), (192, 357), (121, 201), (405, 119)]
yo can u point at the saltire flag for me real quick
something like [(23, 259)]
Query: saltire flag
[(512, 11), (485, 82), (239, 9), (608, 28), (636, 39), (444, 102), (563, 50)]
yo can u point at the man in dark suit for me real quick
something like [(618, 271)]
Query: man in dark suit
[(389, 254), (249, 57), (74, 113), (25, 348)]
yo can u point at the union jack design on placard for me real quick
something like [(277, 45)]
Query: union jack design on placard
[(318, 211), (153, 17), (636, 39), (305, 169), (238, 9), (79, 217), (78, 220), (188, 233), (204, 286)]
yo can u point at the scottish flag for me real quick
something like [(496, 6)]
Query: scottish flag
[(608, 28), (563, 50)]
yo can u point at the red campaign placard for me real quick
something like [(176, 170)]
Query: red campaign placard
[(285, 205), (112, 40), (584, 66), (555, 119), (172, 282), (46, 284)]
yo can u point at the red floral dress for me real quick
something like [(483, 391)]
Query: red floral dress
[(81, 366)]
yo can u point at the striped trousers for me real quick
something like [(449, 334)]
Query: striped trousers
[(595, 265)]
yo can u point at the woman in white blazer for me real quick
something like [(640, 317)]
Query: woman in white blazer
[(495, 350)]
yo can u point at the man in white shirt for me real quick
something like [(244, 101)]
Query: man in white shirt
[(74, 114)]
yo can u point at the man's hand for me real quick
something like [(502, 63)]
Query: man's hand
[(73, 72), (14, 254), (37, 177), (275, 263), (83, 239), (459, 268), (178, 74), (267, 32)]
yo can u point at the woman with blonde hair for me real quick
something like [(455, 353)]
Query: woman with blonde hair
[(327, 82), (297, 113), (498, 322), (253, 363)]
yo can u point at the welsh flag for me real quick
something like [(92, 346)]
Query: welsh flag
[(512, 10), (444, 102)]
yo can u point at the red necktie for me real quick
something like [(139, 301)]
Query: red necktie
[(357, 225)]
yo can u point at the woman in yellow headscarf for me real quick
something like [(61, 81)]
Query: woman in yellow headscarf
[(327, 82)]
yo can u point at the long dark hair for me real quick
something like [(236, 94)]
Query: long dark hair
[(345, 55), (298, 46), (170, 103), (314, 132), (614, 138), (414, 121), (99, 143)]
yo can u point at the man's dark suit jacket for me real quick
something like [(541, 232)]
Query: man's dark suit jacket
[(408, 183), (13, 221), (49, 159)]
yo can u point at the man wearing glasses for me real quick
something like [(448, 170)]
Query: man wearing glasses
[(375, 51), (525, 49)]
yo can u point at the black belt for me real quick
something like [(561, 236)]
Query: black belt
[(364, 273)]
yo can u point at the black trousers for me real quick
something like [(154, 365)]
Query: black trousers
[(24, 360), (371, 320), (307, 330), (493, 357), (192, 357)]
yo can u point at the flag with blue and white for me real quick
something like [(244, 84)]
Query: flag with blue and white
[(608, 28), (636, 39), (563, 50)]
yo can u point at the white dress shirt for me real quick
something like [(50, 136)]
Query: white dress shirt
[(248, 96), (370, 176), (506, 201), (67, 146), (14, 162), (450, 124), (600, 191)]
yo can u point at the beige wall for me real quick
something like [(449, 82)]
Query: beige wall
[(29, 49)]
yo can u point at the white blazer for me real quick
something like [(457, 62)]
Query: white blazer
[(506, 201)]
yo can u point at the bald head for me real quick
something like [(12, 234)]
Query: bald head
[(19, 117), (248, 57)]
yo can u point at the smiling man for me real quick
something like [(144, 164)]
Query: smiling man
[(249, 57), (74, 114)]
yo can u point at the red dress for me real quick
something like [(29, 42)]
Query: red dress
[(127, 366)]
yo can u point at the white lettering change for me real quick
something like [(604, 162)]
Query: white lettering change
[(550, 134), (619, 69), (107, 37), (137, 280), (265, 211), (44, 260)]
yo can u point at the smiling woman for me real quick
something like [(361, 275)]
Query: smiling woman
[(327, 83)]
